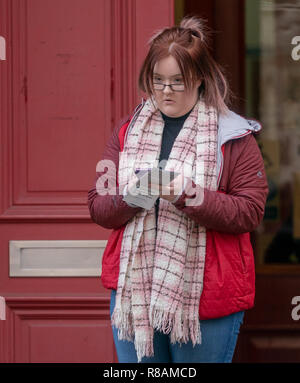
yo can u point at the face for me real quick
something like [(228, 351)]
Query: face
[(168, 72)]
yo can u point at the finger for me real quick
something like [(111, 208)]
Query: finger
[(167, 191)]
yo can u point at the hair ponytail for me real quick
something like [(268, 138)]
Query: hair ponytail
[(196, 26)]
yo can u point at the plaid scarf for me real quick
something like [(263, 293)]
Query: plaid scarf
[(161, 268)]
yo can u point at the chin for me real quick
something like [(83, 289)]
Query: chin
[(170, 111), (171, 108)]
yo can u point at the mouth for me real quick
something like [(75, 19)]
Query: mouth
[(168, 100)]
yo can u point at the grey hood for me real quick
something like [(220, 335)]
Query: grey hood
[(232, 126)]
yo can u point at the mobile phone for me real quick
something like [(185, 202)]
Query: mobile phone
[(162, 177), (141, 172), (169, 175)]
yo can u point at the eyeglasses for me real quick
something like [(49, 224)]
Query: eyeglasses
[(174, 87)]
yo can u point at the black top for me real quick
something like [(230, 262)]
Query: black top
[(172, 128)]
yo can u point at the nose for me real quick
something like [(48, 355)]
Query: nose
[(167, 89)]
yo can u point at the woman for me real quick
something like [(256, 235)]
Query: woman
[(182, 273)]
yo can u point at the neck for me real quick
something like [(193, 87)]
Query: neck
[(177, 118)]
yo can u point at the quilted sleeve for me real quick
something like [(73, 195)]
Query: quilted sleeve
[(109, 210), (241, 208)]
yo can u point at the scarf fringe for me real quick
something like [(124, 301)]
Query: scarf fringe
[(188, 327), (123, 322), (161, 320), (167, 322), (144, 348)]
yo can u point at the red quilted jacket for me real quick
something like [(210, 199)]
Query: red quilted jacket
[(229, 215)]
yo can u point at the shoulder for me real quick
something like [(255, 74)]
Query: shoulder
[(123, 129), (245, 145), (125, 120), (233, 122), (236, 128), (238, 135)]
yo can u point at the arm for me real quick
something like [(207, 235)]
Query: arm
[(241, 209), (109, 210)]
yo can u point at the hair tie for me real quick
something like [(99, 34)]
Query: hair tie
[(196, 33)]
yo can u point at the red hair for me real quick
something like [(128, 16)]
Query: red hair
[(187, 43)]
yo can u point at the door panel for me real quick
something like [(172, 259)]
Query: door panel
[(70, 75)]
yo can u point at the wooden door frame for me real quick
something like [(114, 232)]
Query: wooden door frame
[(228, 39)]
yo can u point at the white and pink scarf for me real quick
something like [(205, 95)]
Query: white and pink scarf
[(161, 268)]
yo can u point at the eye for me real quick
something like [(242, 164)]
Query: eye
[(178, 80)]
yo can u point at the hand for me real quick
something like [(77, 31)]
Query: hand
[(171, 191)]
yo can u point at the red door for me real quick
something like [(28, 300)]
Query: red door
[(70, 74)]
